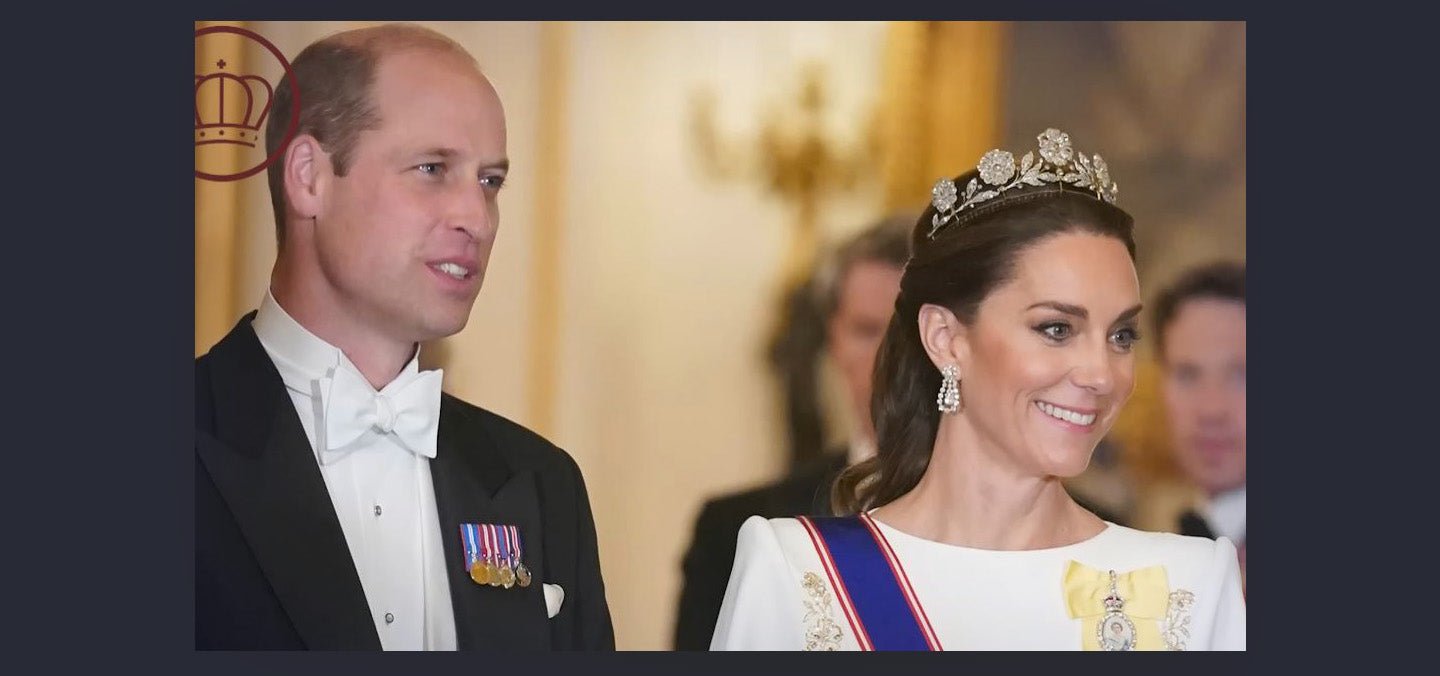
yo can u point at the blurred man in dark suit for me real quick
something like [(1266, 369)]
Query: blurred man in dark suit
[(857, 289)]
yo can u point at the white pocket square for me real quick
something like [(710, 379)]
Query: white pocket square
[(554, 596)]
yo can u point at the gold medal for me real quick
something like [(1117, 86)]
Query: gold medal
[(507, 577), (479, 573), (473, 537), (522, 575)]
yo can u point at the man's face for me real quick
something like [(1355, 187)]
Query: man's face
[(404, 237), (866, 302), (1204, 364)]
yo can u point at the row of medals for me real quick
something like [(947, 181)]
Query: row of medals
[(506, 574)]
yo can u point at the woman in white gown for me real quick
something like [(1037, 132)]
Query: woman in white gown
[(1008, 359)]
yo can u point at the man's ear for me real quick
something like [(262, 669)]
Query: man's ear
[(307, 173)]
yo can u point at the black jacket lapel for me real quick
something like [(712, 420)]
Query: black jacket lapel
[(478, 481), (264, 468), (1191, 523)]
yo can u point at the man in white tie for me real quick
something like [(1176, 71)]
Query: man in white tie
[(342, 500)]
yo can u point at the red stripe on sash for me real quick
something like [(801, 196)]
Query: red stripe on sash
[(904, 579)]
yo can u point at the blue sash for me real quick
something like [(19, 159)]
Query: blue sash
[(881, 608)]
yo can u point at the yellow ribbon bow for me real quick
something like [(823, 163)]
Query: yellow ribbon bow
[(1146, 593)]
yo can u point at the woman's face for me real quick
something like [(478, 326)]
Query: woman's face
[(1048, 362)]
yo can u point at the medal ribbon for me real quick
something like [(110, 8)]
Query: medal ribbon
[(490, 545), (471, 539), (514, 532), (502, 538)]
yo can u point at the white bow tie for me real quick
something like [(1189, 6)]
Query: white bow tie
[(411, 413)]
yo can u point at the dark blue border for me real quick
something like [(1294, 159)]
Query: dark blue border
[(100, 325)]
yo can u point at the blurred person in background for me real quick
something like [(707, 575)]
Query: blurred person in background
[(1200, 332), (856, 288)]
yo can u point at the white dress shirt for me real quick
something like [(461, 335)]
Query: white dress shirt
[(381, 490), (1226, 514)]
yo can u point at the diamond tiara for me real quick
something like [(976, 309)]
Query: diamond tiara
[(1059, 164)]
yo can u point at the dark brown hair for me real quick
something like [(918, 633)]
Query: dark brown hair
[(967, 259), (334, 76), (1224, 280)]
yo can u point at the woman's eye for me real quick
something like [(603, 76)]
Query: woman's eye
[(1055, 331), (1126, 338)]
